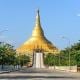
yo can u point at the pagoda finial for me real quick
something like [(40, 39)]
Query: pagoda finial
[(38, 17), (38, 11)]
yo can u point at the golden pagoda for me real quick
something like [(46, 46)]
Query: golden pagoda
[(37, 41)]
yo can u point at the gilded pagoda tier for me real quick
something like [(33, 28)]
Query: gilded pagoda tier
[(37, 40), (39, 43)]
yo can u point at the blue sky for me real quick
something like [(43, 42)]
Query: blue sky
[(58, 18)]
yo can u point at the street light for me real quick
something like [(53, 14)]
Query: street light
[(59, 60), (54, 59), (69, 50)]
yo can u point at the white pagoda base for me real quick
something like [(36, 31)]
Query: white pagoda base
[(38, 60)]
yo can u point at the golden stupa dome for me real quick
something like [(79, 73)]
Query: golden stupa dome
[(37, 40)]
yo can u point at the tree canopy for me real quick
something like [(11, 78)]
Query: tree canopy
[(7, 53), (8, 56), (72, 52)]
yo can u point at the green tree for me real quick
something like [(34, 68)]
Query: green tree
[(7, 54), (23, 60), (74, 54), (64, 57), (77, 57), (71, 53), (49, 59)]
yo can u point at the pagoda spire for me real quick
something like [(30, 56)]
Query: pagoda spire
[(38, 18), (37, 31)]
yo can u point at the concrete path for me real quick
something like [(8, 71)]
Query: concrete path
[(39, 74)]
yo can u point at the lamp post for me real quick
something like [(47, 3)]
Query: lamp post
[(59, 60), (19, 63), (54, 59), (69, 50)]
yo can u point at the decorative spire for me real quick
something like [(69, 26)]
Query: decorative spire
[(37, 29), (38, 18)]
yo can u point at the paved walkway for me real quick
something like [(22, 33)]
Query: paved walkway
[(39, 74)]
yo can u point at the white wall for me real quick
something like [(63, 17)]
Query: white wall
[(64, 68)]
